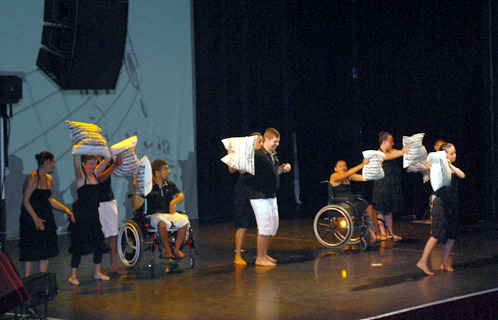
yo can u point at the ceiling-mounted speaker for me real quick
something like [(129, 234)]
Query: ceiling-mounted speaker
[(83, 43)]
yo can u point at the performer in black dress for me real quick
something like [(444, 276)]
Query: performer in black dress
[(444, 213), (37, 227), (387, 193), (86, 233), (244, 216)]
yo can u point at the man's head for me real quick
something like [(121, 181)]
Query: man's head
[(271, 139), (160, 169)]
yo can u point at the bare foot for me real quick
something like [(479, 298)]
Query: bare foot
[(102, 271), (395, 237), (382, 237), (179, 254), (425, 268), (268, 258), (445, 267), (117, 270), (239, 261), (265, 263)]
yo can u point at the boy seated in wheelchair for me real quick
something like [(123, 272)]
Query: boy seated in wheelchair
[(160, 207), (341, 190)]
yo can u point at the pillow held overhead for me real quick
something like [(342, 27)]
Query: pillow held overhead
[(87, 139), (242, 157), (373, 169), (127, 150)]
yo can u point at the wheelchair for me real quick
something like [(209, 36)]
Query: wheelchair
[(138, 235), (339, 223)]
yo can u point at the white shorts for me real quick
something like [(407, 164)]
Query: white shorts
[(266, 212), (108, 215), (174, 221)]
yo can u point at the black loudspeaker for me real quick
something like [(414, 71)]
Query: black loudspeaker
[(83, 43), (10, 89)]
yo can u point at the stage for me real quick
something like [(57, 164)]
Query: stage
[(309, 282)]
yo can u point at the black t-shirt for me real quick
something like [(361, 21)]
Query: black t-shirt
[(159, 198)]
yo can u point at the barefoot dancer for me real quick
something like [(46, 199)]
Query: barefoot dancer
[(244, 216), (387, 194), (263, 187), (444, 215)]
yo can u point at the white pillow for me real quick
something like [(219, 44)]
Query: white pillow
[(87, 139), (144, 177), (440, 172), (373, 169), (417, 151), (242, 157), (127, 150)]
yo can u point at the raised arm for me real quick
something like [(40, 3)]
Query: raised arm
[(136, 200), (102, 165), (77, 166), (395, 153), (107, 173), (337, 176)]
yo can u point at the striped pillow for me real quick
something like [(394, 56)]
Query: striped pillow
[(242, 157), (127, 150), (373, 169), (144, 177), (87, 139), (417, 151)]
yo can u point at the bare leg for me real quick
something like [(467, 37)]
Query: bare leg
[(163, 233), (373, 215), (180, 237), (74, 275), (389, 221), (446, 254), (262, 249), (267, 257), (113, 244), (44, 266), (28, 268), (422, 263), (97, 274), (240, 236), (382, 229)]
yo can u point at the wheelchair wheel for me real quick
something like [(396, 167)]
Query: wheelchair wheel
[(130, 243), (333, 226)]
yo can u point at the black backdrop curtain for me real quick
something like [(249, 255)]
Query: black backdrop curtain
[(335, 73)]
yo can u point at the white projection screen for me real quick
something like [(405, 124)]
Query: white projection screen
[(154, 98)]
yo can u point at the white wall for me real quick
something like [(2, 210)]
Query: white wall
[(154, 98)]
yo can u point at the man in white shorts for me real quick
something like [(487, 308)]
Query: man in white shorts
[(108, 213), (161, 207), (262, 193)]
